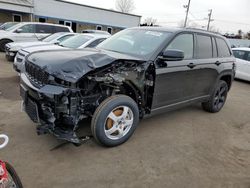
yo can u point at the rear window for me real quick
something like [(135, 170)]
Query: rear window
[(44, 28), (239, 54), (204, 47), (60, 29), (223, 49)]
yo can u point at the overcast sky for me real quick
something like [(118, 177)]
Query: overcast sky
[(229, 15)]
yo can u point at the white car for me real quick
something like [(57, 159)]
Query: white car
[(29, 31), (242, 63), (12, 48), (80, 41)]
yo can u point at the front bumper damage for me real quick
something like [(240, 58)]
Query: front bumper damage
[(53, 108)]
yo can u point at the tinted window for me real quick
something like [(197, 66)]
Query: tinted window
[(248, 56), (215, 53), (44, 29), (185, 43), (239, 54), (204, 47), (29, 28), (95, 43), (223, 49), (76, 41), (64, 38), (61, 29)]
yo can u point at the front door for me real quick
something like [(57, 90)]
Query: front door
[(25, 33), (173, 83)]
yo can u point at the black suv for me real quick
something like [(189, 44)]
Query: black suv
[(135, 73)]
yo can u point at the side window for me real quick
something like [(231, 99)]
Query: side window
[(215, 53), (61, 29), (223, 49), (44, 28), (204, 47), (184, 42), (95, 43), (29, 28), (64, 38), (248, 57), (239, 54)]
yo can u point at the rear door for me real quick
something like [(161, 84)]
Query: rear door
[(173, 82), (207, 65), (242, 64), (43, 30)]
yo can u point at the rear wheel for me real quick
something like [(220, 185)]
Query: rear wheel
[(217, 99), (3, 43), (115, 120)]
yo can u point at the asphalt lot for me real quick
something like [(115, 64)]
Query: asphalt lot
[(184, 148)]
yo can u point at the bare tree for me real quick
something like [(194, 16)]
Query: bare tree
[(125, 6), (149, 21)]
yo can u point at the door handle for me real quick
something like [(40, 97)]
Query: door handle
[(191, 65), (217, 63)]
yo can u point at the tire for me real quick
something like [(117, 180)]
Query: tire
[(3, 43), (217, 99), (9, 58), (14, 175), (114, 131)]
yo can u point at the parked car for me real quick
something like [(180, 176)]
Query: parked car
[(12, 48), (29, 31), (135, 73), (76, 42), (242, 63), (7, 25)]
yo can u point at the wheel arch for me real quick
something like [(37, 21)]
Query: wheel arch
[(228, 78)]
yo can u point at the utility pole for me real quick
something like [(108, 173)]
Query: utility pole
[(187, 7), (209, 18)]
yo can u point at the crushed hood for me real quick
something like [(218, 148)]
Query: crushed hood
[(72, 65)]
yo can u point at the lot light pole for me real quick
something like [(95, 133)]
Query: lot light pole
[(187, 7)]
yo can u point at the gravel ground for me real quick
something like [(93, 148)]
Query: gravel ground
[(183, 148)]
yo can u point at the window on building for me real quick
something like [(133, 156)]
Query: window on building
[(41, 28), (42, 20), (61, 22), (223, 49), (204, 47), (110, 29), (99, 27), (184, 42), (17, 18)]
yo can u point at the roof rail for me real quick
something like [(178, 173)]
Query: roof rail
[(198, 29)]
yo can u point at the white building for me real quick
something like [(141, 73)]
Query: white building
[(78, 16)]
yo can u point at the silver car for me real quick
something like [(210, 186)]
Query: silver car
[(12, 48), (79, 41), (29, 31)]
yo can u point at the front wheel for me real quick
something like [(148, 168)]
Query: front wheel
[(115, 120), (13, 179), (217, 99)]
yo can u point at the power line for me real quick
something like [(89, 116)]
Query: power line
[(227, 21)]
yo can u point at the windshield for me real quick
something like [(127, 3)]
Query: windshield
[(8, 25), (136, 42), (51, 37), (76, 41)]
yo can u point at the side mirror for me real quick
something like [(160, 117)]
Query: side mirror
[(172, 55), (19, 30)]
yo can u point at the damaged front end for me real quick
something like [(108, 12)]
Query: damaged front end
[(58, 96)]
